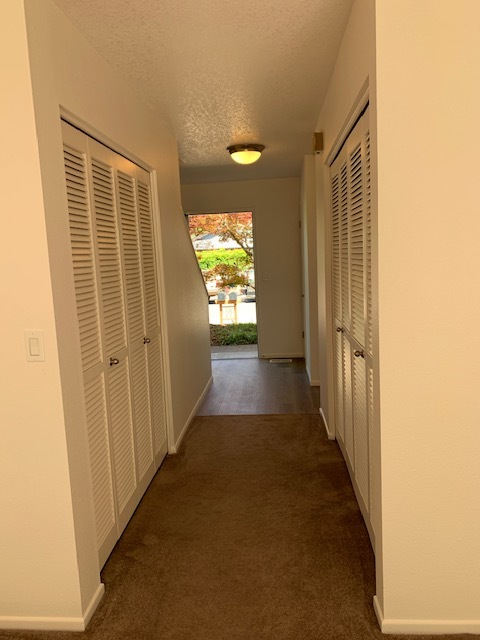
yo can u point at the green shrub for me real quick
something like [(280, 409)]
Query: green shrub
[(233, 334), (210, 258)]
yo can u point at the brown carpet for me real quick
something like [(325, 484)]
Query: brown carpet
[(251, 532)]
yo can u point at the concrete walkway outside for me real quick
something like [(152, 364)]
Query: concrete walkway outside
[(235, 351)]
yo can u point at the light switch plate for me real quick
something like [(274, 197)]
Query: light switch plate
[(34, 348)]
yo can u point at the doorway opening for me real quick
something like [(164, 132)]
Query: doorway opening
[(224, 247)]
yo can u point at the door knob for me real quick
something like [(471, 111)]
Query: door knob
[(339, 329), (146, 341), (114, 361), (359, 353)]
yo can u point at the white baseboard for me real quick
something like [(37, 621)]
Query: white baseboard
[(94, 602), (423, 627), (378, 611), (330, 434), (39, 623), (174, 449), (312, 383)]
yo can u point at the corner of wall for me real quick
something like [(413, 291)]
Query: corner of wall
[(176, 446)]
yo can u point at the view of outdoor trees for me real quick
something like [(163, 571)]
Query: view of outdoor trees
[(224, 246)]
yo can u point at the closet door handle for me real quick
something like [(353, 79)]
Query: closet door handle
[(359, 353), (339, 329), (146, 341), (114, 361)]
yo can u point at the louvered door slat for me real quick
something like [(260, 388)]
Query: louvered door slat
[(95, 402), (109, 257), (157, 394), (131, 256), (339, 385), (336, 261), (122, 433), (148, 256), (368, 241), (356, 213), (360, 420), (371, 444), (347, 401), (83, 257), (344, 247), (141, 404)]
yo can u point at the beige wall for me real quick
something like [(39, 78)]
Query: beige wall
[(323, 310), (354, 73), (428, 101), (276, 210), (39, 575), (107, 106), (352, 79), (50, 569), (421, 63), (309, 271)]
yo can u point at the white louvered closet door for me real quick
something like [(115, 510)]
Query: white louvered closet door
[(93, 364), (136, 318), (369, 321), (115, 284), (355, 148), (114, 329), (352, 306), (340, 226), (152, 317)]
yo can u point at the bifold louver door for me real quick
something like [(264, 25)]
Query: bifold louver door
[(351, 258), (91, 344), (152, 318), (135, 305), (111, 289)]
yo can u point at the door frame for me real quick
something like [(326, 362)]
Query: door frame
[(207, 212)]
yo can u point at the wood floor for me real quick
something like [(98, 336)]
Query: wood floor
[(254, 386)]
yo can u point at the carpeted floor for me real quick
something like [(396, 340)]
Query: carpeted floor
[(251, 532)]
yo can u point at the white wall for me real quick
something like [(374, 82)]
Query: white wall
[(108, 106), (309, 272), (39, 576), (354, 74), (323, 282), (276, 211), (420, 58), (354, 71), (428, 101), (49, 571)]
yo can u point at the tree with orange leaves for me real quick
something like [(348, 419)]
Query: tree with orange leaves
[(226, 271), (226, 226)]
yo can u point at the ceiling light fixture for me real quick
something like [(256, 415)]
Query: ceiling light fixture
[(245, 153)]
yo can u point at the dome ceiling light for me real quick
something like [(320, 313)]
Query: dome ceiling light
[(245, 153)]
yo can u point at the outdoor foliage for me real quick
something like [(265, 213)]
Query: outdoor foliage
[(226, 275), (227, 226), (233, 334), (211, 258), (227, 267)]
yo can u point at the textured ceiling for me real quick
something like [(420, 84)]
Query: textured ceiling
[(224, 72)]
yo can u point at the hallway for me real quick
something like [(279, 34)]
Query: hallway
[(250, 532), (256, 386)]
